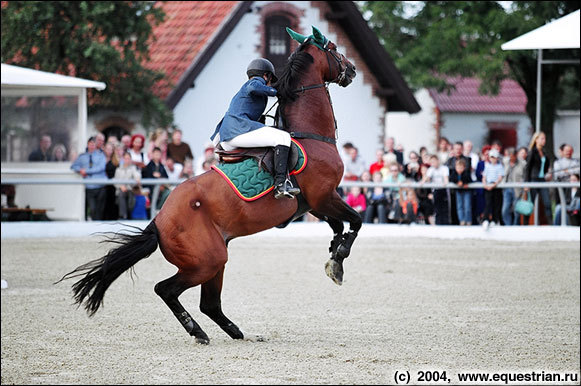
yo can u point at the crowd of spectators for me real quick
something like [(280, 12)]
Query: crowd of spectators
[(134, 158), (452, 168)]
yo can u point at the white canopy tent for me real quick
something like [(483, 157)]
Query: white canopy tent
[(562, 33), (65, 202), (20, 81)]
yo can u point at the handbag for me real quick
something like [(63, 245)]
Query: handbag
[(524, 206)]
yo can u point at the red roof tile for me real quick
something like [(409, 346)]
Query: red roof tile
[(466, 98), (188, 27)]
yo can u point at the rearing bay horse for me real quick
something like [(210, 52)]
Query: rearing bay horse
[(203, 214)]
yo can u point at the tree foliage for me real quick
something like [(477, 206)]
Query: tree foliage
[(433, 40), (105, 41)]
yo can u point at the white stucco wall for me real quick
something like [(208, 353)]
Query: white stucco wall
[(566, 130), (463, 126), (414, 130), (358, 113)]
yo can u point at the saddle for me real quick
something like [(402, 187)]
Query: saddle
[(264, 156)]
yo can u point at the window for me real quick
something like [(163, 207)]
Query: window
[(30, 123), (277, 41)]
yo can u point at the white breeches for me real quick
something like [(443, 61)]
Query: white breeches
[(264, 137)]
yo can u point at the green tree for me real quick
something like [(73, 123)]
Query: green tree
[(100, 40), (434, 39)]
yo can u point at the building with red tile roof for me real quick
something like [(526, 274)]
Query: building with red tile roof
[(203, 48)]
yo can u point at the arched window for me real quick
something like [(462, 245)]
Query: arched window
[(277, 41)]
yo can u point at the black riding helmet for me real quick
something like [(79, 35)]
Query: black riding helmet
[(261, 66)]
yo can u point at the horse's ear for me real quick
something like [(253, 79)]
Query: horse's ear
[(296, 36), (319, 37)]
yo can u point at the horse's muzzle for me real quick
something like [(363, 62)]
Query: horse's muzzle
[(350, 73)]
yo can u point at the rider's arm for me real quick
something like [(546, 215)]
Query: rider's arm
[(261, 89)]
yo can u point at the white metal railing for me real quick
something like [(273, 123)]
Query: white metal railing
[(157, 182)]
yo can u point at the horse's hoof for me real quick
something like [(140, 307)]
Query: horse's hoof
[(203, 340), (334, 270), (254, 338)]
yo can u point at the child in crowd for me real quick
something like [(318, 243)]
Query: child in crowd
[(408, 205), (141, 202), (438, 174), (491, 177), (378, 202), (461, 176), (356, 200)]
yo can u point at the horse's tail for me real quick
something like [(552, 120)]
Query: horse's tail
[(100, 273)]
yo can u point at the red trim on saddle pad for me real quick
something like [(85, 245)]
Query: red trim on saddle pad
[(254, 198)]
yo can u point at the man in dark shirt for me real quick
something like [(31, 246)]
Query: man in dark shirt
[(42, 153), (178, 150), (155, 169)]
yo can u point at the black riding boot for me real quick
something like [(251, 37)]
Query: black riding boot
[(282, 186)]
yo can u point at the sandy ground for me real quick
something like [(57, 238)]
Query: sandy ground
[(406, 305)]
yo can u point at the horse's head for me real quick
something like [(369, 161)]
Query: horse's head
[(333, 65)]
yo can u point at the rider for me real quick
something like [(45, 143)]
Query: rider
[(240, 126)]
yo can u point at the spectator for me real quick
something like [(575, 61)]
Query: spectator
[(179, 150), (572, 202), (480, 202), (378, 164), (538, 170), (439, 174), (188, 170), (111, 210), (173, 169), (159, 139), (42, 153), (91, 165), (155, 169), (394, 176), (209, 155), (207, 165), (468, 153), (100, 141), (139, 211), (377, 202), (139, 157), (354, 166), (407, 207), (522, 154), (388, 159), (424, 156), (460, 175), (496, 144), (365, 177), (119, 152), (126, 199), (389, 149), (412, 169), (566, 165), (113, 140), (347, 146), (425, 198), (59, 153), (356, 200), (443, 150), (491, 177), (513, 172), (126, 142), (457, 154)]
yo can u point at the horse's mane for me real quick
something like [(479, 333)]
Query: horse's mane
[(298, 63)]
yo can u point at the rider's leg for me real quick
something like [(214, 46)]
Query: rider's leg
[(270, 137)]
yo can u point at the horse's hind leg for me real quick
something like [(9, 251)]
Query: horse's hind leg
[(211, 305), (169, 290)]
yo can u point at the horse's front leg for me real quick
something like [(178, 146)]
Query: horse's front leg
[(335, 210)]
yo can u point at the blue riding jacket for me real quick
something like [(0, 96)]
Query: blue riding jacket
[(245, 109)]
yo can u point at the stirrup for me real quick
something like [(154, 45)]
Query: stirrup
[(281, 190)]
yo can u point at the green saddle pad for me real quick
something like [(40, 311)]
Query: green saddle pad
[(248, 181)]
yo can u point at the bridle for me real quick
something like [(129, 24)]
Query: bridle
[(338, 79)]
